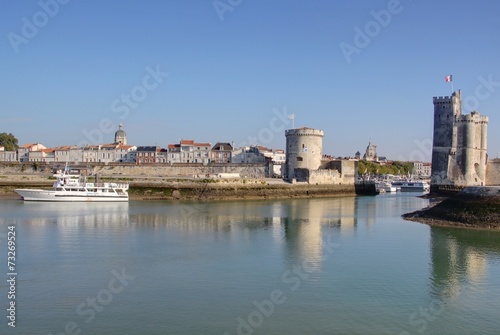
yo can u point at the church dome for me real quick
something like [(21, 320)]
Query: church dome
[(120, 135)]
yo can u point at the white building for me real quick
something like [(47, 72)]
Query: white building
[(22, 151), (90, 154), (188, 151), (43, 155), (247, 155), (107, 153), (68, 153), (7, 156), (422, 169)]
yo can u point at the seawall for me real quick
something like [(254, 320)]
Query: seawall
[(186, 181), (186, 190)]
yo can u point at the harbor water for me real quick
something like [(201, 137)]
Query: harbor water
[(347, 265)]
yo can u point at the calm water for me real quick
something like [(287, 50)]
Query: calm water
[(309, 266)]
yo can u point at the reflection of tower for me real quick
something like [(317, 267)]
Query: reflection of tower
[(303, 230), (120, 135), (457, 256), (304, 147), (348, 216), (311, 222)]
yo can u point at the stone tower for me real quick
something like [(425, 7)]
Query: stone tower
[(120, 135), (459, 144), (304, 147)]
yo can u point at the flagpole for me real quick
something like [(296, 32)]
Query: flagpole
[(452, 90)]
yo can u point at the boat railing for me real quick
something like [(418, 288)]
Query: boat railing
[(106, 185)]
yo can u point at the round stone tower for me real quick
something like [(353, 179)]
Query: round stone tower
[(120, 135), (304, 148)]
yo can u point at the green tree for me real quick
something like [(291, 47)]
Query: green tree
[(8, 141)]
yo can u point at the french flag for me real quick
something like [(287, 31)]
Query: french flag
[(448, 78)]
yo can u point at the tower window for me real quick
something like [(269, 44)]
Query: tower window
[(299, 159)]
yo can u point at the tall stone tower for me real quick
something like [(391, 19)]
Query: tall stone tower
[(459, 145), (120, 135), (304, 150)]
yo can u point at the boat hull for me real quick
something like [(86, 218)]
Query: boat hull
[(413, 189), (55, 196)]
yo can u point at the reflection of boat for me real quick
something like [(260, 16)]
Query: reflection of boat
[(73, 187), (415, 186)]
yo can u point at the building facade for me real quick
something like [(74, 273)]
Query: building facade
[(8, 156), (221, 153), (146, 154), (189, 151), (422, 169), (23, 151)]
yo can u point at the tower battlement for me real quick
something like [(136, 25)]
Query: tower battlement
[(304, 132), (454, 97), (446, 99), (474, 117)]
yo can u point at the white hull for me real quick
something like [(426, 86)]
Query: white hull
[(70, 196), (415, 187)]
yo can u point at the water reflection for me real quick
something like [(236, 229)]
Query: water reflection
[(311, 222), (77, 214), (460, 257), (299, 224)]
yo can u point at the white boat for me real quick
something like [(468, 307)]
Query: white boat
[(73, 187), (415, 186), (385, 187)]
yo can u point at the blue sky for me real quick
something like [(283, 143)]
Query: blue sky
[(232, 71)]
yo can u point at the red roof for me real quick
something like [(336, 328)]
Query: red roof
[(187, 142), (126, 147), (27, 146)]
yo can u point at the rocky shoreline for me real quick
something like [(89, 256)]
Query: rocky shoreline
[(474, 207)]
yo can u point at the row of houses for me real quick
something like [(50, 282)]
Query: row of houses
[(186, 151)]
